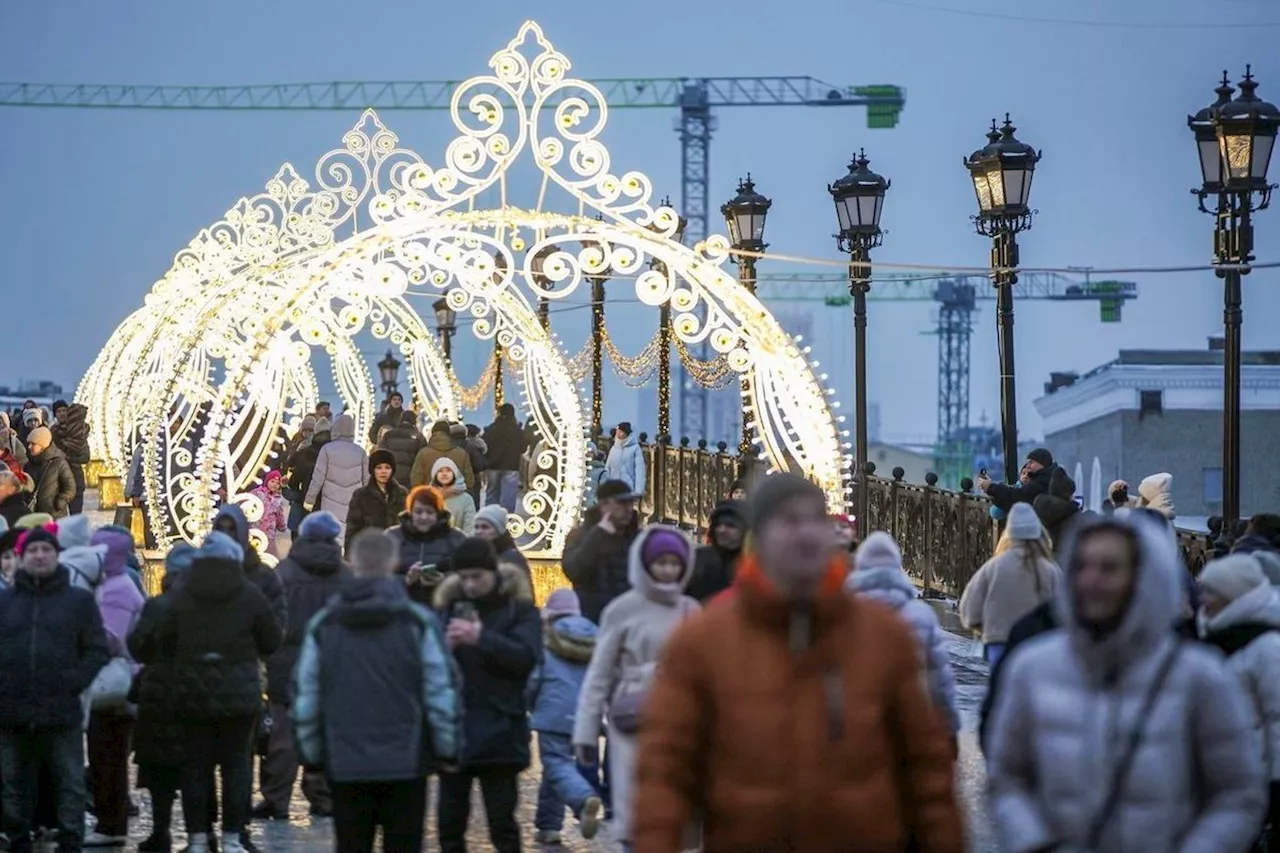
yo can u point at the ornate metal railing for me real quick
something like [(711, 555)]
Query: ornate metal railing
[(945, 536)]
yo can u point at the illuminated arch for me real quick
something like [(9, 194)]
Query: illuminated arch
[(219, 357)]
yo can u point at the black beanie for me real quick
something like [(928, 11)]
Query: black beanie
[(39, 534), (382, 457), (474, 553), (775, 490), (1041, 455)]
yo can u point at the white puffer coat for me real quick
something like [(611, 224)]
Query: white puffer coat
[(342, 466), (1068, 703), (1248, 631)]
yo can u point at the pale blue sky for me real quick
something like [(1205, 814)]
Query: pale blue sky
[(97, 202)]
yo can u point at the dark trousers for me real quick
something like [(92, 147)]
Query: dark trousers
[(77, 503), (21, 754), (359, 808), (1273, 820), (499, 788), (224, 744), (110, 736), (164, 783), (279, 767)]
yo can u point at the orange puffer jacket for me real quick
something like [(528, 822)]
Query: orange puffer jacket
[(832, 747)]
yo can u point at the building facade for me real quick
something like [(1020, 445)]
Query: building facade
[(1152, 411)]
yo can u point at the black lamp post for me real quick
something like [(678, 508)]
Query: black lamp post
[(389, 369), (859, 198), (597, 279), (1234, 141), (499, 371), (446, 320), (745, 216), (664, 338), (1002, 173)]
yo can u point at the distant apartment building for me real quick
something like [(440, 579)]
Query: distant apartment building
[(42, 391), (1150, 411)]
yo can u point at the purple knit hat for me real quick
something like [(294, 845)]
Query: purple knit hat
[(561, 602), (664, 541)]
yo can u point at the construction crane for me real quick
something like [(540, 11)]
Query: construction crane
[(694, 96), (957, 297)]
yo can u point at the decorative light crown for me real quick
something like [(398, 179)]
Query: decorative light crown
[(215, 368)]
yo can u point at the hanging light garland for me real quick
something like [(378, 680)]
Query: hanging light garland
[(580, 364), (472, 396), (713, 374)]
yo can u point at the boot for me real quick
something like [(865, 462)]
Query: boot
[(198, 842), (231, 843)]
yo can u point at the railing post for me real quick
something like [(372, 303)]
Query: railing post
[(704, 472), (931, 497), (653, 476), (894, 488), (663, 513), (682, 512)]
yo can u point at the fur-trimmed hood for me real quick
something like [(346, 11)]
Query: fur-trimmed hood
[(571, 637), (513, 582)]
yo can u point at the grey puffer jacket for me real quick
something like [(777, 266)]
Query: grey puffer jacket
[(1068, 703), (892, 587), (1247, 631)]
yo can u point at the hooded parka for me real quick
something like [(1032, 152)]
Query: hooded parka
[(342, 466), (1070, 699), (310, 577), (633, 630)]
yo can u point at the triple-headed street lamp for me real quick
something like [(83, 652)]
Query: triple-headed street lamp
[(1002, 173), (1234, 140), (446, 325), (859, 198), (745, 216)]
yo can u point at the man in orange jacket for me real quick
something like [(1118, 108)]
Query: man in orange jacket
[(792, 717)]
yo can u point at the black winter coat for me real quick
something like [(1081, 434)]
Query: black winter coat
[(158, 737), (433, 548), (389, 418), (310, 576), (596, 563), (507, 443), (14, 507), (71, 433), (256, 572), (495, 671), (713, 572), (216, 629), (403, 442), (302, 464), (1038, 621), (55, 484), (52, 645), (372, 507), (1005, 496)]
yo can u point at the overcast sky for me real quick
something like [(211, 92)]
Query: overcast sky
[(96, 202)]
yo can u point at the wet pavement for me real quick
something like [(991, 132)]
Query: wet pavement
[(304, 833)]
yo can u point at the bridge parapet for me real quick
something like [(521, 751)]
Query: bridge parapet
[(945, 536)]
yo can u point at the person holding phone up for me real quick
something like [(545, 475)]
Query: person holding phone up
[(425, 540), (493, 630)]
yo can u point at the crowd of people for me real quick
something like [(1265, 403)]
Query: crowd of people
[(779, 686)]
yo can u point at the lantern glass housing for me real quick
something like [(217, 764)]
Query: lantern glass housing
[(389, 368), (445, 315), (859, 199), (1002, 172), (1246, 129), (745, 216), (1208, 148)]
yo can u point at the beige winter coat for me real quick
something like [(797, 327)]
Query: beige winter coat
[(1003, 591), (1156, 492), (633, 629), (342, 466)]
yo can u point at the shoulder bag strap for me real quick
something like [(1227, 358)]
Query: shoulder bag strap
[(1121, 772)]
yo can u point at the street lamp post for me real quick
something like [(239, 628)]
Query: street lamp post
[(389, 369), (535, 265), (1001, 173), (859, 198), (664, 338), (1234, 141), (446, 319), (745, 216), (499, 391)]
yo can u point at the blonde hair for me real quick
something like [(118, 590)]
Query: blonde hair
[(373, 553), (1042, 547)]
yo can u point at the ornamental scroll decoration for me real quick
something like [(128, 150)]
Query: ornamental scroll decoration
[(215, 369)]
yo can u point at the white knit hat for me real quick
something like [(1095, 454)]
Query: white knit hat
[(1024, 523), (1232, 576), (495, 515)]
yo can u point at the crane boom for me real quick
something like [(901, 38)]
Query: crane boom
[(884, 102), (910, 287)]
